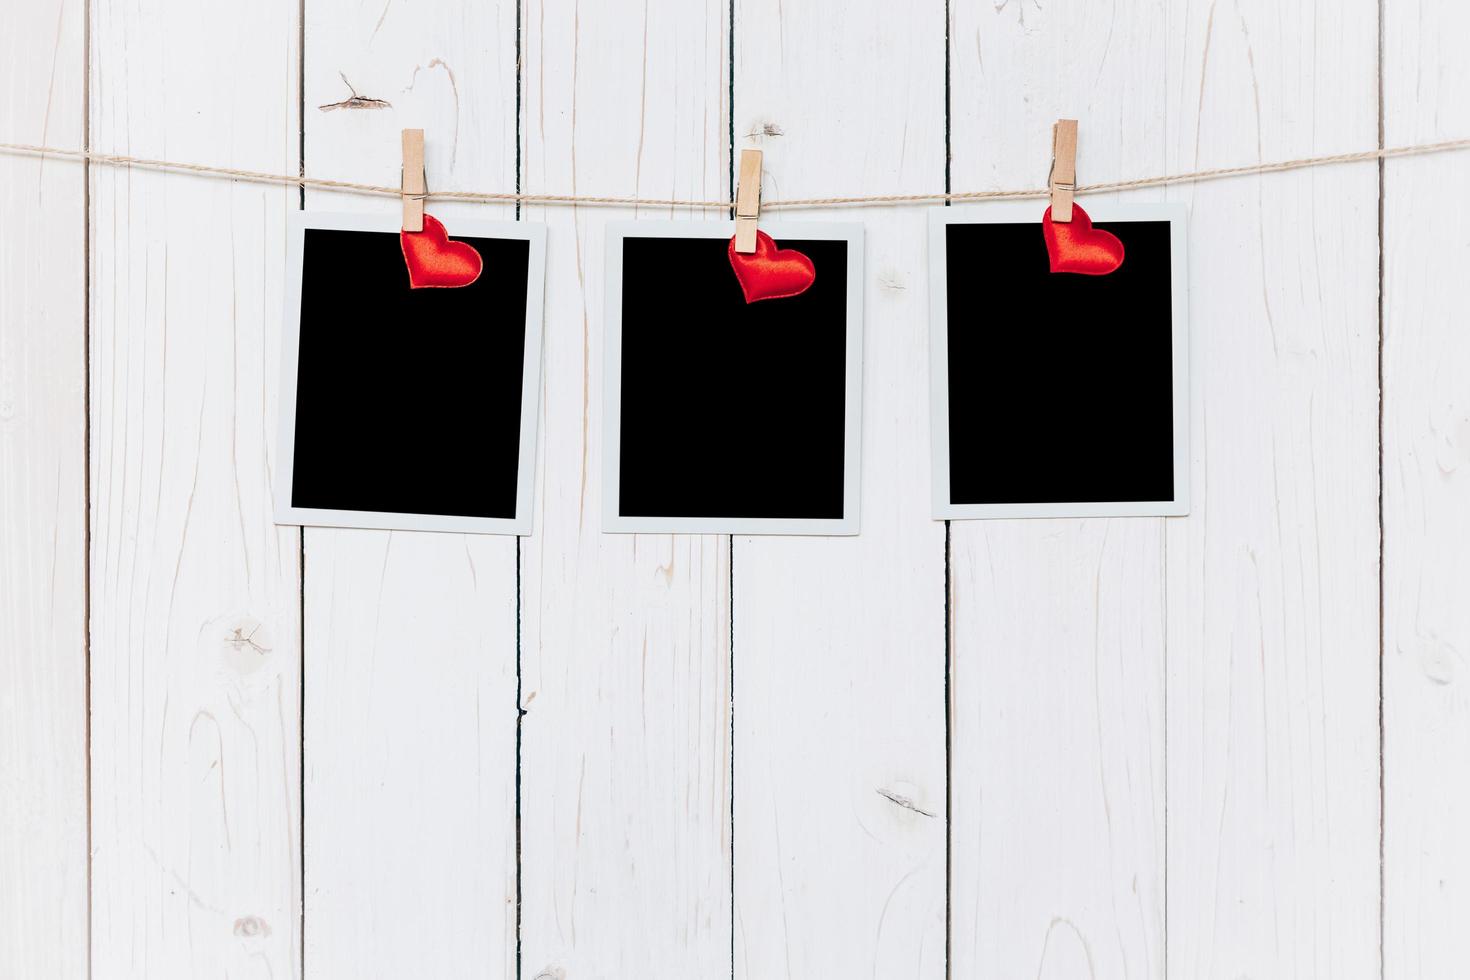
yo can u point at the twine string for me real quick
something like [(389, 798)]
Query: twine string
[(487, 197)]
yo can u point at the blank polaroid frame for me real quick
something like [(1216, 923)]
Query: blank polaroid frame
[(470, 370), (1029, 312), (702, 302)]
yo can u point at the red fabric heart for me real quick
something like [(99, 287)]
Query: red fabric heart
[(1076, 246), (436, 262), (770, 272)]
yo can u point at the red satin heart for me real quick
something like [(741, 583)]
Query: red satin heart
[(1076, 246), (436, 262), (770, 272)]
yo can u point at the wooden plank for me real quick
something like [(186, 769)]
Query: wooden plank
[(43, 710), (1273, 580), (1057, 679), (410, 754), (625, 651), (839, 643), (1426, 445), (410, 698), (195, 593)]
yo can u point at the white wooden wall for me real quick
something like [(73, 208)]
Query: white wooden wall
[(1231, 745)]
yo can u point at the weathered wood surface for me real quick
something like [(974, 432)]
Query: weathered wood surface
[(43, 459), (594, 755), (1058, 637), (410, 693), (1426, 521), (1272, 698), (195, 593), (839, 643), (625, 638)]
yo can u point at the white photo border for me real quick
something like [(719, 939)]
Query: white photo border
[(615, 522), (1016, 212), (521, 524)]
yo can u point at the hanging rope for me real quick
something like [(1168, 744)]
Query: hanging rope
[(486, 197)]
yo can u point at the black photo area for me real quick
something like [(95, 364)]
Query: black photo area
[(408, 401), (729, 409), (1060, 385)]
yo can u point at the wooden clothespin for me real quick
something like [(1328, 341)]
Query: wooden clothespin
[(414, 184), (1063, 179), (747, 201)]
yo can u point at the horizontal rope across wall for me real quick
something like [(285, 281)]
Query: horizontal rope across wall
[(256, 176)]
